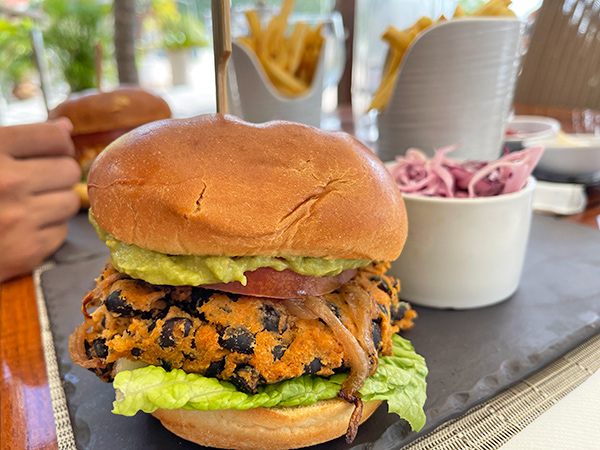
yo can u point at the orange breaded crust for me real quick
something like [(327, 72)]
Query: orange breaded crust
[(248, 341)]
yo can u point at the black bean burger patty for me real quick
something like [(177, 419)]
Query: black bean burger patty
[(248, 341)]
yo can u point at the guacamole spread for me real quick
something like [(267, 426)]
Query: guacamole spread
[(160, 268)]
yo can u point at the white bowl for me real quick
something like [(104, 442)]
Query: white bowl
[(576, 156), (521, 128), (464, 253)]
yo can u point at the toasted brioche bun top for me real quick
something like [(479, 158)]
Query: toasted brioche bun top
[(125, 107), (216, 185)]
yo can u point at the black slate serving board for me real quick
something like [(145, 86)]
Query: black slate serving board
[(472, 355)]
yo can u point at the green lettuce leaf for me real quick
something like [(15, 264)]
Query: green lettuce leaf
[(400, 380)]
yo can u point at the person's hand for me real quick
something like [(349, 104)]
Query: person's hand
[(37, 174)]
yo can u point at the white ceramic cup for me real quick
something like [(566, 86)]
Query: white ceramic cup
[(464, 253), (455, 85)]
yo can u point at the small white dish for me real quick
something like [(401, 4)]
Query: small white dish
[(574, 156), (531, 127), (464, 253), (521, 128)]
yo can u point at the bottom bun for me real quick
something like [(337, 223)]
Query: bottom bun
[(264, 428)]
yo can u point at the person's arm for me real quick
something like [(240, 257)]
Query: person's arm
[(37, 174)]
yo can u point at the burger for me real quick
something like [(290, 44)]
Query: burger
[(245, 304), (100, 117)]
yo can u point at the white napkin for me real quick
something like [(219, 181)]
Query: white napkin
[(559, 198), (572, 423)]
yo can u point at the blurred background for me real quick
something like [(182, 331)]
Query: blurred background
[(165, 46)]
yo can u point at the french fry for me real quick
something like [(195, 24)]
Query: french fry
[(488, 9), (289, 62), (399, 42), (286, 9), (249, 42), (254, 24), (297, 45), (284, 78), (459, 12), (398, 39)]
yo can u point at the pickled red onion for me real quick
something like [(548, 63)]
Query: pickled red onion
[(441, 176)]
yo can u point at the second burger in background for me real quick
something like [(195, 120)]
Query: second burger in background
[(100, 117)]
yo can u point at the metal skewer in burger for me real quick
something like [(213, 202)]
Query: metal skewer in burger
[(247, 276)]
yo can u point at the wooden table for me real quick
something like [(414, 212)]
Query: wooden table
[(27, 420)]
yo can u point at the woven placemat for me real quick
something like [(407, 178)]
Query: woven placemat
[(491, 424), (62, 422)]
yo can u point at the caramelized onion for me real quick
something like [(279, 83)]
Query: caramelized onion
[(77, 351), (355, 417), (364, 310), (357, 357), (297, 308), (95, 297)]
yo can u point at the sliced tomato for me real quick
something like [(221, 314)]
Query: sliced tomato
[(267, 282)]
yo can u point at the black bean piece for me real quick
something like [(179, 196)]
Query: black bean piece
[(342, 369), (383, 309), (105, 372), (398, 311), (189, 307), (88, 349), (100, 347), (198, 298), (165, 364), (201, 295), (215, 368), (189, 356), (135, 351), (314, 366), (167, 336), (278, 352), (376, 334), (382, 284), (245, 378), (238, 340), (333, 307), (117, 305), (161, 313), (157, 314), (270, 318)]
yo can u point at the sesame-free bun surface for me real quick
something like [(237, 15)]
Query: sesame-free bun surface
[(264, 428), (125, 107), (215, 185)]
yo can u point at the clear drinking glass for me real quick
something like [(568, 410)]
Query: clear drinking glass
[(372, 17)]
